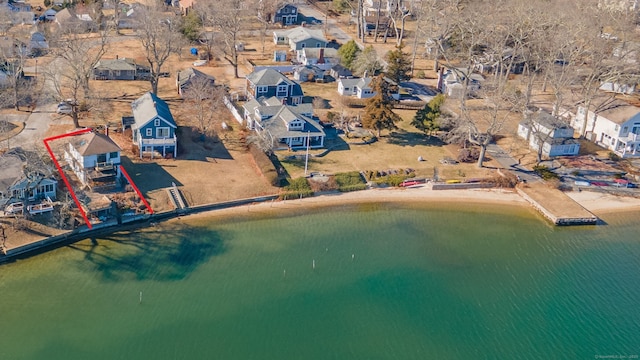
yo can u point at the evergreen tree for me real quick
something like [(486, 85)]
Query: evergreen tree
[(398, 64), (378, 113), (348, 52), (426, 119)]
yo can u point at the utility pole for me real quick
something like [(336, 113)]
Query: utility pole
[(306, 161)]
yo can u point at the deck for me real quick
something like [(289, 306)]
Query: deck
[(555, 205)]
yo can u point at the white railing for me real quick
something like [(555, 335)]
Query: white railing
[(159, 142)]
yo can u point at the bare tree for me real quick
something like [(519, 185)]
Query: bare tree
[(264, 12), (160, 37), (228, 17), (203, 102), (80, 53)]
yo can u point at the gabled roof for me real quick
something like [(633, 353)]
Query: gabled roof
[(617, 111), (362, 83), (185, 76), (268, 77), (148, 107), (285, 114), (116, 64), (93, 144), (301, 33)]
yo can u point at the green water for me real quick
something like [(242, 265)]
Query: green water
[(389, 282)]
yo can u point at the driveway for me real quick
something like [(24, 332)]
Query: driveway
[(509, 163)]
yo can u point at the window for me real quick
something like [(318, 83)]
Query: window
[(282, 90), (303, 45), (262, 89), (113, 155), (162, 132), (48, 188), (156, 123), (149, 132), (318, 45)]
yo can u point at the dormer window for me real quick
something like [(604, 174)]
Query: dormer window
[(296, 124)]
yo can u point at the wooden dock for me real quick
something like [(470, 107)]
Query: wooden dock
[(555, 205)]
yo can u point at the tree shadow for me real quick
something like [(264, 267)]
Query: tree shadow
[(404, 138), (148, 176), (164, 253), (194, 145)]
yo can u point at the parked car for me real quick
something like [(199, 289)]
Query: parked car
[(64, 108)]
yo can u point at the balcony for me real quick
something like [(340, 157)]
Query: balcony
[(170, 141)]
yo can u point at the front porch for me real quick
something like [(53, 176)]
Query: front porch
[(301, 142)]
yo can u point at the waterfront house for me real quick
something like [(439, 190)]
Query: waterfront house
[(291, 126), (548, 134), (154, 128), (268, 83), (299, 38), (95, 159), (614, 125), (20, 185)]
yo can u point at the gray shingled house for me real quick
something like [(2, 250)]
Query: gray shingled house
[(291, 126), (268, 83), (299, 38), (186, 77), (119, 69)]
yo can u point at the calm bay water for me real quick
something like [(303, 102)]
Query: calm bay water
[(389, 282)]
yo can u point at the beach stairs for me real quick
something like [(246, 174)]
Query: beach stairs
[(176, 197)]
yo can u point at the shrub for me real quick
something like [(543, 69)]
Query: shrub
[(613, 156), (47, 3), (507, 181), (318, 186), (420, 74), (350, 181), (544, 172), (468, 155), (297, 188), (353, 102), (265, 165)]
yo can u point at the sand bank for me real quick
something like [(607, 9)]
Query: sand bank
[(597, 203)]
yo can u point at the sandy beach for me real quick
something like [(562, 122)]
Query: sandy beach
[(597, 203)]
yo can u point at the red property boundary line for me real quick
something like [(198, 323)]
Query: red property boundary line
[(135, 188), (66, 181)]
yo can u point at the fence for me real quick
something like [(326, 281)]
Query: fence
[(234, 111)]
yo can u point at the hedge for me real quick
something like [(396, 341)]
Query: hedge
[(265, 165), (297, 188), (350, 181)]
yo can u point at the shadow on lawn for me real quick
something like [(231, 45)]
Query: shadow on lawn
[(164, 253), (404, 138), (148, 176), (193, 145)]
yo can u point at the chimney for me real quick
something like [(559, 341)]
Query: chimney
[(321, 56), (116, 56), (106, 131)]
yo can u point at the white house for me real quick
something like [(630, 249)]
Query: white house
[(358, 87), (615, 126), (555, 136), (323, 58), (451, 82), (94, 159)]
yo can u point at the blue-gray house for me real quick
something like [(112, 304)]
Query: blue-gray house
[(154, 129)]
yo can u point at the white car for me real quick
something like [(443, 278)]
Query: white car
[(64, 108)]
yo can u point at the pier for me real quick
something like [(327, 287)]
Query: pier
[(555, 205)]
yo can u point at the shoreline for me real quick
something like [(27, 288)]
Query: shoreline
[(598, 203)]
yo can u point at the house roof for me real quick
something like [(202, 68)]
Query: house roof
[(11, 165), (185, 76), (301, 33), (93, 144), (268, 77), (617, 111), (148, 107), (277, 124), (341, 70), (64, 15), (362, 83), (116, 64)]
